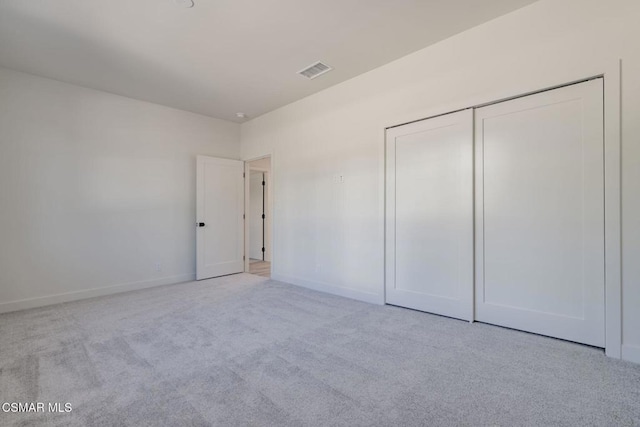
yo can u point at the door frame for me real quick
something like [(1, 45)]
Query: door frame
[(270, 204), (554, 78)]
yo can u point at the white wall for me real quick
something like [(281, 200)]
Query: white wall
[(95, 189), (263, 164), (330, 236)]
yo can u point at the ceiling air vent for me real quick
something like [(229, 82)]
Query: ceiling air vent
[(315, 70)]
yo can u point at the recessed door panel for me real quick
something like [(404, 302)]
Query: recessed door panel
[(540, 213), (430, 215)]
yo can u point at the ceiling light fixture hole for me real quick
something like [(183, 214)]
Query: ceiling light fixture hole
[(184, 3)]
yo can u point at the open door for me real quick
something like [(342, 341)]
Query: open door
[(220, 223)]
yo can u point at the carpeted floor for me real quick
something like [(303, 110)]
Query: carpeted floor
[(243, 350)]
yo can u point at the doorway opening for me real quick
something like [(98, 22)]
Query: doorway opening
[(258, 216)]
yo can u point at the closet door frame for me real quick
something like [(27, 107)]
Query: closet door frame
[(549, 79)]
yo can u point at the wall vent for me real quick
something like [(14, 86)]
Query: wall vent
[(315, 70)]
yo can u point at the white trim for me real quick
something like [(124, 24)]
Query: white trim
[(95, 292), (631, 353), (612, 209), (478, 215), (382, 210), (331, 289), (552, 78)]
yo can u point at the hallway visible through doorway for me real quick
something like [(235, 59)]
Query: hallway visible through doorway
[(260, 268), (258, 217)]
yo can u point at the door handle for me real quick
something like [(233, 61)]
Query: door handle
[(201, 224)]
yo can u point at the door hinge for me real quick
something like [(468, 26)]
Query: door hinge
[(263, 183), (243, 174), (263, 216), (243, 216), (243, 257), (262, 249)]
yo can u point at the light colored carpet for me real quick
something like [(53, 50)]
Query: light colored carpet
[(243, 350)]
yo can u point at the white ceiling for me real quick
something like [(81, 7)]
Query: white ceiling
[(223, 56)]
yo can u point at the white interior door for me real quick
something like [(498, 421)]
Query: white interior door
[(220, 209), (540, 213), (429, 232)]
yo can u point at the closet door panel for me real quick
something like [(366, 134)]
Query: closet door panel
[(541, 213), (430, 215)]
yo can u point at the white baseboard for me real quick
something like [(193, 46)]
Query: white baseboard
[(23, 304), (631, 353), (330, 289)]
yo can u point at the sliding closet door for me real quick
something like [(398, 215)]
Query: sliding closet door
[(540, 213), (429, 230)]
